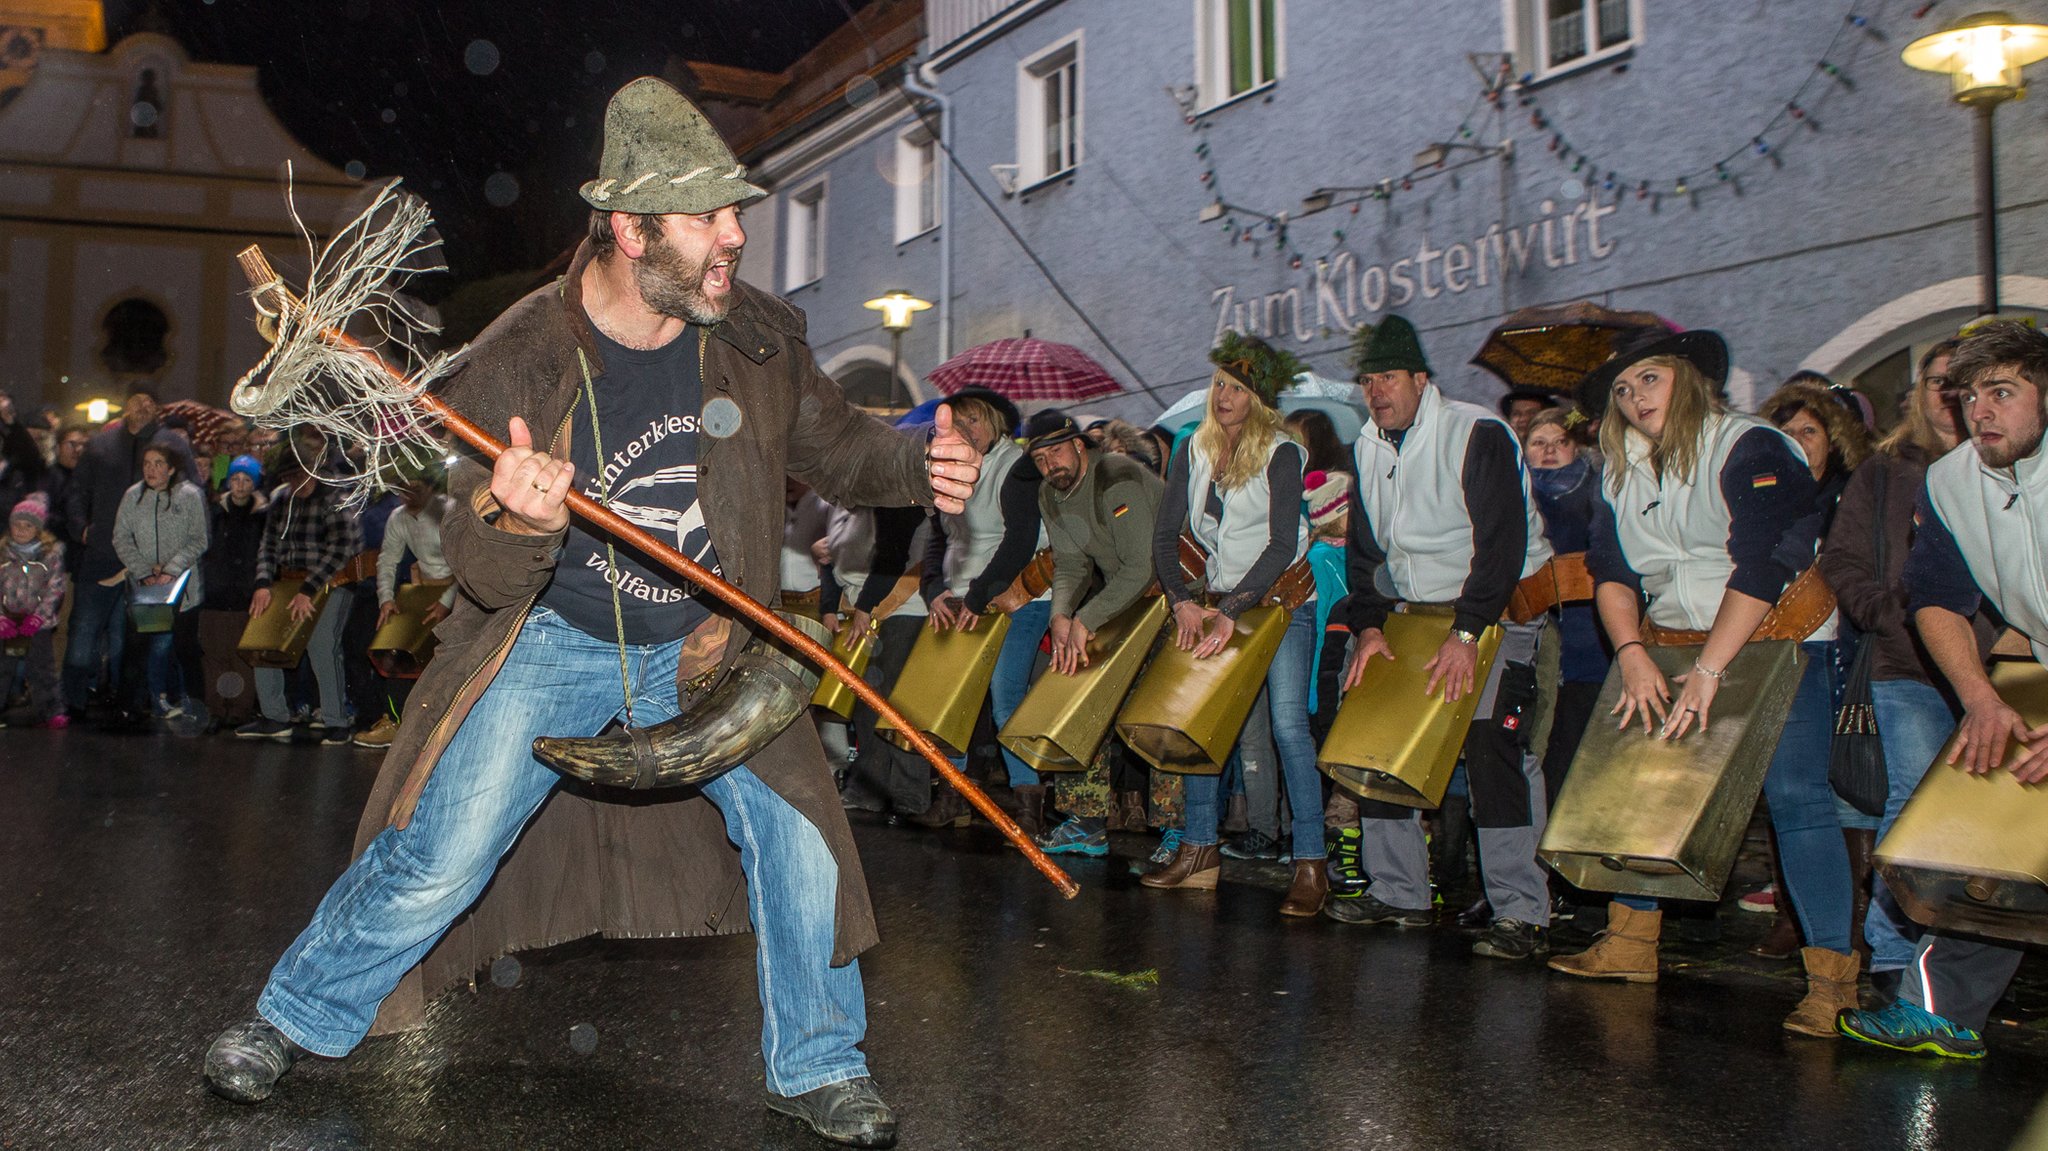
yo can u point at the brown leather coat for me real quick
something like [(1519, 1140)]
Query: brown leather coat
[(649, 864)]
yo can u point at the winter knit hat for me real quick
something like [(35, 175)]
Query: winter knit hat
[(661, 155), (35, 509), (1326, 494), (1263, 369), (247, 466), (1392, 347)]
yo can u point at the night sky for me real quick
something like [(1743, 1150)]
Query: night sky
[(451, 93)]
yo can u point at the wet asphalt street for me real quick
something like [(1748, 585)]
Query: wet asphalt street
[(147, 883)]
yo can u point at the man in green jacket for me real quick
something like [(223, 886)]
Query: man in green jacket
[(1098, 509), (680, 396)]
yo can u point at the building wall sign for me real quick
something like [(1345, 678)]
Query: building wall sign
[(1342, 291)]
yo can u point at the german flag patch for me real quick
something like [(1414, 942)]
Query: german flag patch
[(1766, 480), (1120, 510)]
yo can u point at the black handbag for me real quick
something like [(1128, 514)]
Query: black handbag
[(1856, 755)]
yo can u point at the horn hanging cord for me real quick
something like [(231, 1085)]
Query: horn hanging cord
[(315, 372)]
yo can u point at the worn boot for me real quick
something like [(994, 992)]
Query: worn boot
[(1128, 813), (948, 809), (1310, 887), (1626, 950), (1031, 809), (1191, 869), (1782, 940), (1830, 990), (246, 1061), (1862, 842)]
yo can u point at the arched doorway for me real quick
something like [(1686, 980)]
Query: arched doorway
[(1878, 353), (863, 374)]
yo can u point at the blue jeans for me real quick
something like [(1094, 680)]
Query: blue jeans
[(1028, 625), (401, 894), (1802, 804), (323, 648), (98, 615), (1913, 722), (1287, 683)]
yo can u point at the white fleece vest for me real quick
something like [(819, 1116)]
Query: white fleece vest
[(973, 535), (1235, 541), (1415, 499), (1675, 534), (2000, 522)]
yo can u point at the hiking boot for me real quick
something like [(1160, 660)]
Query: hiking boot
[(850, 1111), (260, 728), (1252, 845), (1031, 808), (246, 1061), (1169, 843), (1347, 875), (1626, 950), (1074, 837), (1513, 939), (1904, 1027), (1192, 868), (380, 736), (1830, 990), (1367, 909)]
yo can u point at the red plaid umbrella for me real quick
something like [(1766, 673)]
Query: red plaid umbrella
[(207, 423), (1027, 370)]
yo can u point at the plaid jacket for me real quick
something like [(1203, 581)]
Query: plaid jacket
[(310, 533)]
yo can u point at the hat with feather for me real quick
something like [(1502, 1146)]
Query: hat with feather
[(1263, 369)]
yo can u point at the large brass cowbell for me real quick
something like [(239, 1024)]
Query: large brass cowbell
[(1061, 722), (1643, 816), (1186, 713), (275, 639), (945, 681), (854, 651), (402, 647), (1392, 740), (1970, 852)]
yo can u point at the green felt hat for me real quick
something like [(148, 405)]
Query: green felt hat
[(1259, 366), (661, 155), (1392, 347)]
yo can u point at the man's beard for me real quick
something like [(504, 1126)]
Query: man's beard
[(2012, 451), (1063, 479), (670, 286)]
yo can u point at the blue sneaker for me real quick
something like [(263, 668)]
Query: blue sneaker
[(1072, 838), (1904, 1027), (1169, 844)]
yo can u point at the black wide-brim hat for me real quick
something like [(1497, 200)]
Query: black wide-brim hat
[(997, 400), (1702, 348)]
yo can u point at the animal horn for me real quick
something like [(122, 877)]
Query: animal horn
[(766, 690)]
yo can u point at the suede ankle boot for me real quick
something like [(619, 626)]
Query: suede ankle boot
[(1310, 887), (1830, 990), (1626, 950)]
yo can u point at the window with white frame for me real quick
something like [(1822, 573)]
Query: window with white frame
[(1238, 47), (917, 184), (1049, 112), (1557, 35), (804, 258)]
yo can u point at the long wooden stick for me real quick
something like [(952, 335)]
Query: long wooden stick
[(267, 286)]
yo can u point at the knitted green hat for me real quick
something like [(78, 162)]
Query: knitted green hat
[(1264, 369), (1393, 346), (661, 155)]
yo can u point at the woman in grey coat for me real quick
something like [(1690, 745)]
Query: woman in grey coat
[(160, 533)]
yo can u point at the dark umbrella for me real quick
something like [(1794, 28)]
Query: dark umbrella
[(1027, 371), (1553, 347)]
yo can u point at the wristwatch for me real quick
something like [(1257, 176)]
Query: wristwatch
[(1465, 637)]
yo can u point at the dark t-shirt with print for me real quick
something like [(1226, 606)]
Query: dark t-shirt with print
[(647, 408)]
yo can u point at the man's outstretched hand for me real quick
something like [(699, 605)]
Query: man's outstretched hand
[(952, 462)]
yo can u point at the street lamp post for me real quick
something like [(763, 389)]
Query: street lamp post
[(897, 308), (1983, 55)]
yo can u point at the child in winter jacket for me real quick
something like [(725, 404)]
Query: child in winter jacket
[(32, 587)]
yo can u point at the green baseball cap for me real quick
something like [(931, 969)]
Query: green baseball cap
[(662, 155)]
